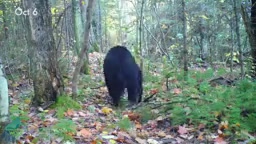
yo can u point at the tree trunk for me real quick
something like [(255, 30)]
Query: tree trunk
[(238, 39), (46, 76), (185, 51), (84, 51), (4, 20), (5, 137), (100, 25), (78, 17), (78, 29), (251, 31), (141, 31), (253, 38)]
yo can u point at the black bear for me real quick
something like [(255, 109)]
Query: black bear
[(121, 71)]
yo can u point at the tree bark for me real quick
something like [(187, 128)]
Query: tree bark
[(185, 51), (100, 25), (253, 38), (46, 76), (78, 24), (238, 39), (84, 51), (140, 34)]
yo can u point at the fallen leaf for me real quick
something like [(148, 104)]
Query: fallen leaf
[(219, 140), (153, 91), (182, 130), (69, 112), (161, 134), (152, 141), (177, 91), (106, 110), (133, 116), (82, 114), (84, 133), (223, 125), (140, 141), (138, 125), (201, 136)]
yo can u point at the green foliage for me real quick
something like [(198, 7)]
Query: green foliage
[(204, 87), (233, 104), (16, 123), (61, 129), (63, 65), (17, 132), (15, 127), (178, 116), (85, 68), (146, 114), (209, 73), (221, 71), (64, 103), (125, 124), (17, 111), (64, 127), (87, 81), (91, 108), (252, 141)]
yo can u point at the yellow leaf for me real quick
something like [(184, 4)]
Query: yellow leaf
[(54, 10), (164, 26), (204, 17), (15, 85), (27, 101), (46, 111), (112, 141), (106, 110)]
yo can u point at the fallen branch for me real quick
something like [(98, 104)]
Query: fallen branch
[(148, 98)]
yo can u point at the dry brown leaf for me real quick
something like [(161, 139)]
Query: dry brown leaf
[(82, 114), (69, 112), (161, 134), (84, 133), (177, 91), (201, 126), (201, 136), (219, 140), (153, 91), (133, 116), (138, 125)]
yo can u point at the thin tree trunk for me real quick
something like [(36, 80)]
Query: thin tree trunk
[(238, 39), (84, 51), (78, 18), (4, 20), (141, 31), (185, 51), (232, 46), (100, 25)]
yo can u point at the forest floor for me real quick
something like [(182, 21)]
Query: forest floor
[(97, 122)]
